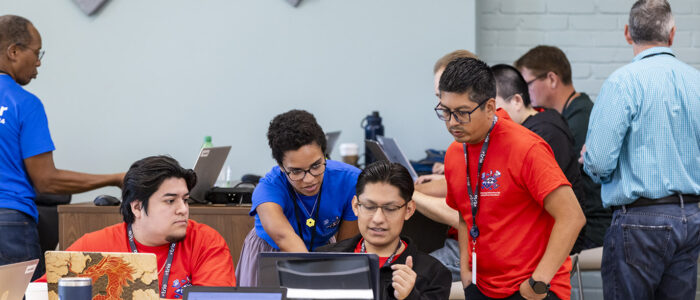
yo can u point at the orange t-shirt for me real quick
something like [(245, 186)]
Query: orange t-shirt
[(519, 171), (202, 258)]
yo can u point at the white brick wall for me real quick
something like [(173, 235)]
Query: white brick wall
[(590, 32)]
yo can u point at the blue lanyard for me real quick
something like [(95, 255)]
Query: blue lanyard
[(474, 195), (312, 225), (168, 262)]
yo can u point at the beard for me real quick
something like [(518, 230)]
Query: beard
[(175, 238)]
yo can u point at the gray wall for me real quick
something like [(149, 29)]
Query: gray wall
[(154, 77), (590, 32)]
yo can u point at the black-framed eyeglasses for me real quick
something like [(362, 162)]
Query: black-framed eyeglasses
[(538, 77), (388, 210), (297, 174), (462, 116), (39, 53)]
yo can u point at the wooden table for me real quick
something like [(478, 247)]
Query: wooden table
[(232, 222)]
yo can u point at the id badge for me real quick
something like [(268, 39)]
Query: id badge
[(473, 267)]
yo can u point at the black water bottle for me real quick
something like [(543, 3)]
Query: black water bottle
[(373, 128)]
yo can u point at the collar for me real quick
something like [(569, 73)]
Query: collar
[(652, 51)]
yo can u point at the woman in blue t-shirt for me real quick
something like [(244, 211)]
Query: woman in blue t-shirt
[(303, 201)]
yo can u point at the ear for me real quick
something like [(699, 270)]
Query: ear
[(490, 106), (355, 201), (628, 35), (553, 79), (12, 51), (136, 209), (410, 209), (518, 101), (671, 36)]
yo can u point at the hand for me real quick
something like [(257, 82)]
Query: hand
[(438, 168), (528, 293), (403, 279), (428, 178), (583, 151)]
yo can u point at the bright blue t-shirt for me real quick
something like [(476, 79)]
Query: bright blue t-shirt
[(24, 132), (337, 191)]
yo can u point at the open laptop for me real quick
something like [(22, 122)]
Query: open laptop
[(321, 275), (14, 279), (388, 149), (234, 293), (107, 270), (331, 140), (208, 166)]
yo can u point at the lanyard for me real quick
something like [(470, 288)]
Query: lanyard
[(567, 101), (311, 221), (655, 54), (474, 195), (168, 262), (390, 258)]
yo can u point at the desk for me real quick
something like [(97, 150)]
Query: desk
[(232, 222)]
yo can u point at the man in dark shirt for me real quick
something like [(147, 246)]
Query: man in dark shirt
[(382, 205), (547, 72), (513, 97)]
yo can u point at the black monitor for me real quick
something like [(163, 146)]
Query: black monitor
[(321, 275), (233, 293)]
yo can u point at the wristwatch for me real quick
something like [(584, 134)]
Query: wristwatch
[(538, 286)]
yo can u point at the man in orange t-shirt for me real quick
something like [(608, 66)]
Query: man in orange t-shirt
[(527, 216), (155, 210)]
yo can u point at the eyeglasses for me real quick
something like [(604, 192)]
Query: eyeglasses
[(39, 53), (389, 211), (298, 174), (538, 77), (462, 116)]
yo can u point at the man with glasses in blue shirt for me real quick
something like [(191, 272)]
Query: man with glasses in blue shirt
[(643, 145), (26, 148), (304, 201)]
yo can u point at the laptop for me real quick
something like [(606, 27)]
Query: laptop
[(321, 275), (331, 141), (108, 270), (388, 149), (208, 166), (234, 293), (14, 279)]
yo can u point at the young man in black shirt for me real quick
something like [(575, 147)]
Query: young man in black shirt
[(512, 95), (382, 205)]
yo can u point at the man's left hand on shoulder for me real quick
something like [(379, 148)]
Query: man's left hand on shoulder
[(528, 293), (403, 279)]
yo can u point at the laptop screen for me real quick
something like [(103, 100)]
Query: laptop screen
[(233, 293)]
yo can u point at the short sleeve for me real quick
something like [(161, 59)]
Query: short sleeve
[(34, 137), (540, 172), (270, 189), (214, 263)]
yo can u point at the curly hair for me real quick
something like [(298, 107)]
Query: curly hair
[(145, 177), (292, 130)]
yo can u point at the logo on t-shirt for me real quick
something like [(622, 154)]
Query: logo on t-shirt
[(489, 182), (2, 110), (181, 284)]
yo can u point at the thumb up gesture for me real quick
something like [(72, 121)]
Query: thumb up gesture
[(403, 278)]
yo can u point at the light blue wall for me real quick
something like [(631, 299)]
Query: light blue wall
[(147, 77)]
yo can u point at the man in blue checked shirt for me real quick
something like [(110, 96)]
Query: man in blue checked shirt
[(643, 145)]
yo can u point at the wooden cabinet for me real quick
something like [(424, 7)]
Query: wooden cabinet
[(232, 222)]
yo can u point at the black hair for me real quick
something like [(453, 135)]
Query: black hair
[(469, 75), (14, 30), (292, 130), (386, 172), (145, 177), (509, 82)]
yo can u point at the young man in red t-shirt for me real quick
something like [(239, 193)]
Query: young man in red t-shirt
[(155, 210), (526, 215)]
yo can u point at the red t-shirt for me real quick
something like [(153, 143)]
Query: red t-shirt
[(382, 260), (519, 171), (202, 258)]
